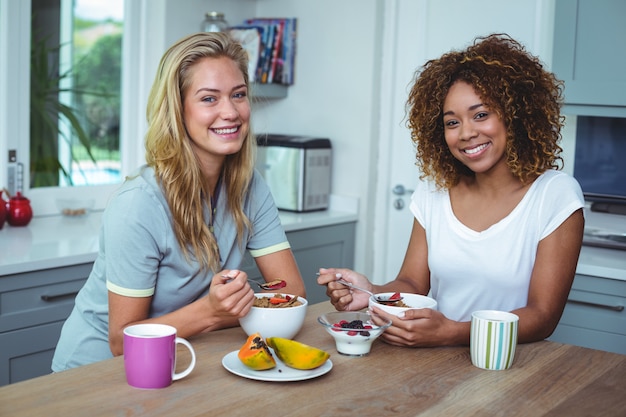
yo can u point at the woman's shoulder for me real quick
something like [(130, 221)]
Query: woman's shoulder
[(553, 178), (140, 186), (143, 178), (560, 187)]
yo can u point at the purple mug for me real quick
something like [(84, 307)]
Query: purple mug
[(150, 355)]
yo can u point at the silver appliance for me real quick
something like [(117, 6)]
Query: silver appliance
[(296, 169)]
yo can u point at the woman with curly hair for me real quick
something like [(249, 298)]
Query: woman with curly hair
[(175, 233), (497, 226)]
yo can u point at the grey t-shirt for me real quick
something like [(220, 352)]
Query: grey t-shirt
[(139, 256)]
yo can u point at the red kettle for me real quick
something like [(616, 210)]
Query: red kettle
[(19, 213)]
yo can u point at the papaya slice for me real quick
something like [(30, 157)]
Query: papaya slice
[(297, 355), (255, 354)]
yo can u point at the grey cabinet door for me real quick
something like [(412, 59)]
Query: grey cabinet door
[(595, 315), (589, 52), (27, 353), (33, 308), (328, 246), (331, 246)]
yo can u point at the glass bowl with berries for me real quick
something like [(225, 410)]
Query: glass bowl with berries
[(353, 331)]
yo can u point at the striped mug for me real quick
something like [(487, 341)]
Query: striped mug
[(493, 338)]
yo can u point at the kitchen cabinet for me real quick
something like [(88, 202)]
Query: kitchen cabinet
[(33, 307), (35, 304), (589, 55), (595, 315), (328, 246)]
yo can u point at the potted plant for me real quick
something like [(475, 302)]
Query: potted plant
[(51, 119)]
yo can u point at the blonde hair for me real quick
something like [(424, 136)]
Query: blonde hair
[(169, 152)]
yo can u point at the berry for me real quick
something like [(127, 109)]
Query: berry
[(354, 324)]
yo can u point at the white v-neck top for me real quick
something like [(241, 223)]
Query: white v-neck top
[(472, 270)]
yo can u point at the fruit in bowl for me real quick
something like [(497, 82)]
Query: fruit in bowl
[(272, 318), (353, 331), (407, 302)]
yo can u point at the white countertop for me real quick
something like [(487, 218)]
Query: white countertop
[(602, 262), (57, 241)]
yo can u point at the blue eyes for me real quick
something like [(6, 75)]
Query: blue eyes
[(237, 96)]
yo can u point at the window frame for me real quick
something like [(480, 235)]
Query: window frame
[(141, 18)]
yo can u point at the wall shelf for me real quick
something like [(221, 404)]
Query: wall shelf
[(264, 91)]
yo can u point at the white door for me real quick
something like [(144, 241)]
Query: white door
[(404, 35), (415, 31)]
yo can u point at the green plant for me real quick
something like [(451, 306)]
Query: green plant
[(49, 115)]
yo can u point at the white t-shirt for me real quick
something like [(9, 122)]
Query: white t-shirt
[(491, 269)]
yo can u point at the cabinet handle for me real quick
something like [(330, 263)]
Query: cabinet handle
[(587, 303), (53, 297)]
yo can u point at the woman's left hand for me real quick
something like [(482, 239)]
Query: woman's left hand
[(420, 327)]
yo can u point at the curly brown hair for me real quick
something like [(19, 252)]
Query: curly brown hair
[(512, 83)]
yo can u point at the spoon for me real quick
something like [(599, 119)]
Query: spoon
[(383, 300), (272, 285)]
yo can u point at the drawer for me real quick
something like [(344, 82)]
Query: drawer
[(39, 297), (589, 338), (595, 311), (595, 315), (596, 303), (27, 353)]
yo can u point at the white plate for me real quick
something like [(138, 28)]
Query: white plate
[(280, 373)]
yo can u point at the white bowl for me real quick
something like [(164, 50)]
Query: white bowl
[(348, 341), (412, 300), (283, 322)]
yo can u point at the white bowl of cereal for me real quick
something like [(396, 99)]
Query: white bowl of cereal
[(274, 318), (409, 301)]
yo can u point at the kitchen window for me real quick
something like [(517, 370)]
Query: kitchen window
[(92, 174), (75, 92)]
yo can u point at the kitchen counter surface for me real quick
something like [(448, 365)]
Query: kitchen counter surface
[(600, 261), (58, 241), (546, 379)]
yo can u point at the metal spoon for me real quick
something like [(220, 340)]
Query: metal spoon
[(272, 285), (383, 300)]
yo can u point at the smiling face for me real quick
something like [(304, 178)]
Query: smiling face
[(216, 110), (475, 135)]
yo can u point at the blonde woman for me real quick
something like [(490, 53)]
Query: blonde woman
[(175, 233)]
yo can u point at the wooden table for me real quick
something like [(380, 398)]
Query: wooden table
[(546, 379)]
